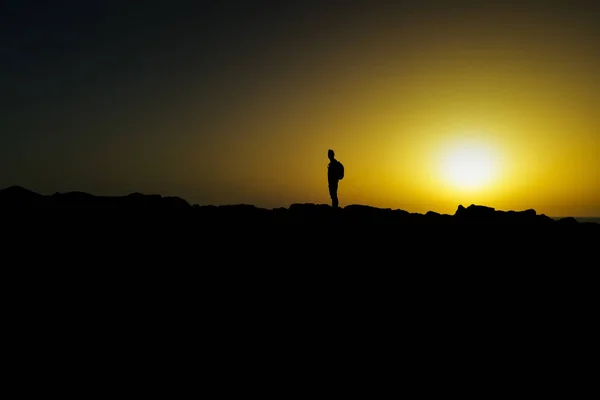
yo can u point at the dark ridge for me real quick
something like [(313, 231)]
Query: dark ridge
[(189, 259), (16, 198)]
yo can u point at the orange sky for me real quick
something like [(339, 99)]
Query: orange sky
[(406, 97)]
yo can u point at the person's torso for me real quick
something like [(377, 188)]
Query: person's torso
[(332, 173)]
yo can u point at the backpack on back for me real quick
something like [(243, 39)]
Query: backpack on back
[(340, 171)]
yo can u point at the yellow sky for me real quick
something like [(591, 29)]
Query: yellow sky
[(428, 105), (394, 111)]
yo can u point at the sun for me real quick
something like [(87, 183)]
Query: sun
[(469, 166)]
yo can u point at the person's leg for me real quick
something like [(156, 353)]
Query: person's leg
[(333, 193)]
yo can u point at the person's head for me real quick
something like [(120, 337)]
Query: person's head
[(330, 154)]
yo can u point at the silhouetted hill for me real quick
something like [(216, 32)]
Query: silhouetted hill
[(147, 254), (16, 199)]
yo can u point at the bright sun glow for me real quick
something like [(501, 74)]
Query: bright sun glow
[(469, 166)]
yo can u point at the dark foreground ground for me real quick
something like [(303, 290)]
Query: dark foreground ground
[(303, 235), (19, 200), (149, 288)]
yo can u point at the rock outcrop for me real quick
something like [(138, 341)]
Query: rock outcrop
[(16, 199)]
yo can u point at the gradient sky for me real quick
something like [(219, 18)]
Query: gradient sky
[(231, 102)]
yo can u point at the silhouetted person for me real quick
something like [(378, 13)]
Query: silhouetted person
[(335, 172)]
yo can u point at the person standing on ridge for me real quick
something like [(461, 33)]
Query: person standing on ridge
[(335, 172)]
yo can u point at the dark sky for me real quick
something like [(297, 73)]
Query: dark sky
[(199, 99)]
